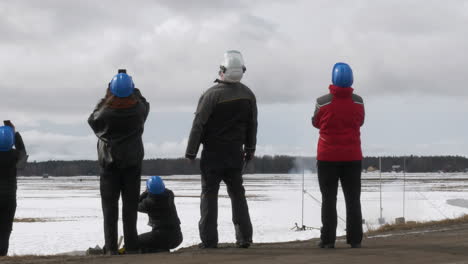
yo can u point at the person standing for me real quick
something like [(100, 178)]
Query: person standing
[(339, 116), (158, 202), (10, 160), (118, 122), (226, 124)]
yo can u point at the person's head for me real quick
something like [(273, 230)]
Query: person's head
[(342, 75), (232, 68), (122, 84), (155, 185), (7, 138)]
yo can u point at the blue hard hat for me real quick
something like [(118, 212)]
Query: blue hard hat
[(122, 85), (155, 185), (342, 75), (7, 138)]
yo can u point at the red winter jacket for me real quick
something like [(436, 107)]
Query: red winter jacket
[(339, 115)]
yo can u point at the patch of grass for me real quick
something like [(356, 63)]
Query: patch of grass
[(34, 259), (32, 220), (41, 220), (409, 225)]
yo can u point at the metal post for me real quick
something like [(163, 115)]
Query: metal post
[(404, 186), (303, 189), (380, 173)]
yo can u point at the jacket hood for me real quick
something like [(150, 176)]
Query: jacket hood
[(121, 102), (340, 91)]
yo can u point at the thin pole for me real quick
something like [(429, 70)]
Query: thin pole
[(404, 186), (303, 189), (380, 173)]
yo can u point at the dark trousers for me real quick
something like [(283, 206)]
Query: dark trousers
[(160, 240), (208, 225), (7, 214), (116, 181), (349, 174)]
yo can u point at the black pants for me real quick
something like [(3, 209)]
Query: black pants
[(208, 225), (349, 174), (115, 181), (7, 214), (160, 240)]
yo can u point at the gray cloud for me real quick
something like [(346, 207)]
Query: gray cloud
[(58, 56), (72, 49)]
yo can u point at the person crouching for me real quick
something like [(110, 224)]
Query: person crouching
[(158, 202)]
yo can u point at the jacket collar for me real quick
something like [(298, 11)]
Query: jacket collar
[(340, 91), (158, 196), (224, 82)]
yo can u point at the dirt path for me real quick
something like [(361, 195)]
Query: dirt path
[(443, 244)]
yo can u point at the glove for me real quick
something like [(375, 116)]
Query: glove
[(143, 196), (190, 157), (9, 123), (249, 155)]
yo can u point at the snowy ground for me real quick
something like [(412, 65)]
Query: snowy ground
[(72, 206)]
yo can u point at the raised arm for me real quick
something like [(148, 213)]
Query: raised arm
[(142, 99), (22, 156)]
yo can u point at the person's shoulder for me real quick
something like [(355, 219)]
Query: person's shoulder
[(137, 92), (212, 90), (324, 99), (357, 99), (169, 192), (247, 89)]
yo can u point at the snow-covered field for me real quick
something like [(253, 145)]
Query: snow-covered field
[(72, 207)]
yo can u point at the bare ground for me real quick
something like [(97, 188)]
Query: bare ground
[(439, 243)]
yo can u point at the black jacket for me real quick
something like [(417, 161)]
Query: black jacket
[(225, 120), (119, 131), (161, 210), (9, 161)]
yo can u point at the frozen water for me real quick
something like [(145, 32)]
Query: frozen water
[(71, 206)]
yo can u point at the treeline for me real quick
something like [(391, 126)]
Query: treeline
[(181, 166), (265, 164), (418, 163)]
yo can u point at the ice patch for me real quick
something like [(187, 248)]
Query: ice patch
[(458, 202)]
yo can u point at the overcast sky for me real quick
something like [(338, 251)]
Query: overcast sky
[(409, 59)]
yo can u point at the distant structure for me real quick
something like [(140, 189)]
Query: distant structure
[(396, 168)]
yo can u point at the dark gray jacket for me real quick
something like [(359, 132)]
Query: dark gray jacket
[(119, 132), (9, 162), (161, 209), (226, 119)]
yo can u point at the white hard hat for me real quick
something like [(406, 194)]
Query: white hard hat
[(233, 66)]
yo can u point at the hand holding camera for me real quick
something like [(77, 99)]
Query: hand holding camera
[(9, 123)]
